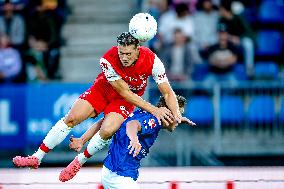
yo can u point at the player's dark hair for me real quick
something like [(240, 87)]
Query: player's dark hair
[(126, 39), (181, 101)]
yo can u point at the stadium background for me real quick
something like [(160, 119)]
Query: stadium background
[(240, 123)]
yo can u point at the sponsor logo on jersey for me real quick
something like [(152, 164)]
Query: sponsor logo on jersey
[(162, 76), (104, 65)]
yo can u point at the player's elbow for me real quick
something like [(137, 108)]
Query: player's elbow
[(133, 125), (168, 94), (130, 124)]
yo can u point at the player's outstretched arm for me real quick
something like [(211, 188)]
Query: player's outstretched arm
[(77, 143), (132, 129), (159, 75), (160, 113), (171, 100)]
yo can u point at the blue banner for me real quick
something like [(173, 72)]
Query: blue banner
[(28, 112), (12, 116)]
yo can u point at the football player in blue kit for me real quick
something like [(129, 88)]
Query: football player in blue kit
[(130, 144)]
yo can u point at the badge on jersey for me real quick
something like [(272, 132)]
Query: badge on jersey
[(149, 124), (152, 123)]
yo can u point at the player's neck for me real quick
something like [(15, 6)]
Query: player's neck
[(134, 63)]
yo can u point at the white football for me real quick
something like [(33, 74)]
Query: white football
[(143, 26)]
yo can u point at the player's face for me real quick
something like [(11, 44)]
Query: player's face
[(128, 54)]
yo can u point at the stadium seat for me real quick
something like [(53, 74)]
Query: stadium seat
[(266, 70), (271, 12), (199, 109), (261, 110), (269, 43), (240, 72), (200, 72), (232, 110), (281, 114)]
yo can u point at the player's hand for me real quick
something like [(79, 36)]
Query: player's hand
[(76, 143), (134, 147), (164, 114), (178, 117), (187, 121)]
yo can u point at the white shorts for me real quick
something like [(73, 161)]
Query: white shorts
[(111, 180)]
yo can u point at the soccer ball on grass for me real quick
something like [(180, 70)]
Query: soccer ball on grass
[(143, 26)]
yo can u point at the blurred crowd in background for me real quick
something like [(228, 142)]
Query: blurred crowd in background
[(219, 40), (198, 40), (30, 39)]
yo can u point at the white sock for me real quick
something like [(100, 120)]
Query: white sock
[(54, 137), (95, 145), (39, 154), (82, 158)]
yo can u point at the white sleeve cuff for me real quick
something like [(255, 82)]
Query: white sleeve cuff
[(158, 72), (108, 70)]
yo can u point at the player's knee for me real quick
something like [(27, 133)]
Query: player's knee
[(106, 133), (71, 120)]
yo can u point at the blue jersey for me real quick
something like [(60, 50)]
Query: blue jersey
[(118, 159)]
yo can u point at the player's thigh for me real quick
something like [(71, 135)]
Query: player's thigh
[(119, 106), (90, 103), (111, 185), (96, 96), (115, 113), (80, 111), (121, 182), (126, 183), (111, 123), (111, 180)]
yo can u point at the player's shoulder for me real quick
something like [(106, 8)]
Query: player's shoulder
[(145, 50), (146, 57), (111, 51), (111, 56), (140, 113)]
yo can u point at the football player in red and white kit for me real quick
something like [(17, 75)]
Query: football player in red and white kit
[(116, 91)]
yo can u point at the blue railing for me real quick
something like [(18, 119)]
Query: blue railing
[(27, 112)]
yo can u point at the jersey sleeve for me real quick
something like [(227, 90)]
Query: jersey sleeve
[(108, 70), (158, 71), (149, 125)]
